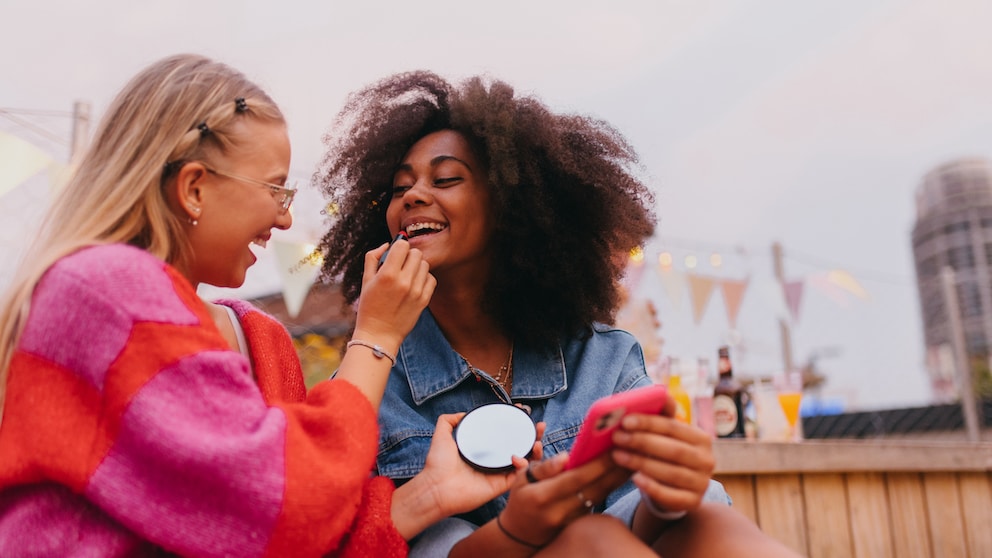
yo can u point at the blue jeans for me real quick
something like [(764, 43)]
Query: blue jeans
[(437, 540)]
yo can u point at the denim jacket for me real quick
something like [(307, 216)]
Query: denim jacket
[(430, 379)]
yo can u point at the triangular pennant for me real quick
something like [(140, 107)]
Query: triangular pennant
[(733, 295), (639, 317), (847, 282), (772, 298), (822, 283), (298, 270), (793, 296), (632, 275), (674, 284), (700, 289), (19, 161), (58, 176)]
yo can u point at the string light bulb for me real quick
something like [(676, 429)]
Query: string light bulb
[(314, 256), (665, 260), (690, 261)]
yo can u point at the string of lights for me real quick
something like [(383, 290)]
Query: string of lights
[(13, 115), (716, 254)]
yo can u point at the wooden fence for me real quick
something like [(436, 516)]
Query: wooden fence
[(865, 499)]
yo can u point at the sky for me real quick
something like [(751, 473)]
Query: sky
[(809, 124)]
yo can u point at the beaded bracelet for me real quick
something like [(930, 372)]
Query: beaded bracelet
[(660, 513), (378, 351), (515, 538)]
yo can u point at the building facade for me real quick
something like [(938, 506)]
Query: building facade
[(954, 230)]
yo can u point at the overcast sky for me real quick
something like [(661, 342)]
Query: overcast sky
[(807, 123)]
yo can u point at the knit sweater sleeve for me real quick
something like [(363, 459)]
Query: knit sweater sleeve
[(280, 377), (122, 390)]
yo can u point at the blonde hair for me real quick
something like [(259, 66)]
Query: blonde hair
[(118, 193)]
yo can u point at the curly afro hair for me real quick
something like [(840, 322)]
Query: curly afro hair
[(567, 206)]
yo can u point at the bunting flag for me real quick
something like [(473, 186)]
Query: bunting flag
[(673, 282), (700, 289), (639, 317), (733, 295), (298, 269), (783, 299), (772, 299), (58, 176), (793, 297), (19, 161), (822, 283), (846, 281), (632, 275)]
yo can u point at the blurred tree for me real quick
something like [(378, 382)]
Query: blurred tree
[(319, 356)]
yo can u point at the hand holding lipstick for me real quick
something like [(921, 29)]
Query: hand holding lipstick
[(395, 290), (401, 236)]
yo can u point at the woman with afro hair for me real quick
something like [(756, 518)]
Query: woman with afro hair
[(525, 217)]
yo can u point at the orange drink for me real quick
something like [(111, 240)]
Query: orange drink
[(790, 394), (790, 406)]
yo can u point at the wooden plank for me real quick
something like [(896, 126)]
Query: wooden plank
[(976, 508), (827, 526), (871, 523), (780, 510), (943, 508), (741, 491), (830, 456), (910, 532)]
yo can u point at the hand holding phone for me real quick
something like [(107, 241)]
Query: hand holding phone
[(604, 416)]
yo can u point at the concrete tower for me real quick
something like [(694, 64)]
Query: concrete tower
[(954, 229)]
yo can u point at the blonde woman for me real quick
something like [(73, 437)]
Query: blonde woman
[(136, 417)]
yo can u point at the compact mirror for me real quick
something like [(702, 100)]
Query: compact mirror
[(489, 436)]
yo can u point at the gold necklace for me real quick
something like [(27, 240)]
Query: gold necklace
[(504, 377), (505, 374)]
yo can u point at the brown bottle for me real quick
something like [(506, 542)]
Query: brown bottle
[(728, 400)]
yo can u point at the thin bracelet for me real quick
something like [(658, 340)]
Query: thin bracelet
[(378, 351), (660, 513), (514, 538)]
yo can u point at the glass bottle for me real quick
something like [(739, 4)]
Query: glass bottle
[(683, 403), (728, 400), (702, 401)]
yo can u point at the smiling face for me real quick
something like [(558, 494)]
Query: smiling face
[(235, 213), (440, 198)]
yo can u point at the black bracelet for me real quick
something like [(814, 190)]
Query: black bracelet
[(514, 538)]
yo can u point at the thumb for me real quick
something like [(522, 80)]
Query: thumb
[(549, 467), (447, 423)]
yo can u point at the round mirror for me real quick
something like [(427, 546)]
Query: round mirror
[(488, 436)]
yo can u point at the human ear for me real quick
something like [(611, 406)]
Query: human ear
[(188, 188)]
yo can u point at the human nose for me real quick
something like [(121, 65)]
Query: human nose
[(284, 220), (418, 194)]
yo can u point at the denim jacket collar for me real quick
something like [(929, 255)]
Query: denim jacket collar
[(432, 367)]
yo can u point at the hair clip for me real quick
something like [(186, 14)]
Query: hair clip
[(240, 105), (204, 129)]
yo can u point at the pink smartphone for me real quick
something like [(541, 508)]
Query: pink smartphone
[(596, 434)]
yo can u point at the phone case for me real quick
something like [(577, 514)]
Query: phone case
[(596, 434)]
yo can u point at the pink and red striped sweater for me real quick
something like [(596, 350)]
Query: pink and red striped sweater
[(130, 429)]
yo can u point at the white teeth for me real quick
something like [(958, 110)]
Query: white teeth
[(259, 242), (410, 229)]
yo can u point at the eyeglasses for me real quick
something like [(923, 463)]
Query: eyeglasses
[(282, 194)]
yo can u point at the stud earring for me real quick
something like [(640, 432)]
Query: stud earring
[(194, 219)]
